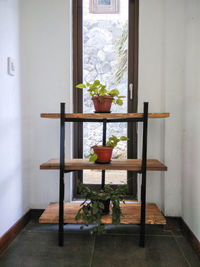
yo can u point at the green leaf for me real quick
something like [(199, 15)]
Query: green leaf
[(101, 205), (85, 209), (114, 92), (95, 208), (102, 91), (93, 157), (78, 216), (114, 138), (81, 86), (119, 102), (96, 82), (95, 91), (85, 217), (124, 138)]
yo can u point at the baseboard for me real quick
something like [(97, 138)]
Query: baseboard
[(10, 235)]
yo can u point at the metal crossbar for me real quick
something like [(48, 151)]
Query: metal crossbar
[(102, 120)]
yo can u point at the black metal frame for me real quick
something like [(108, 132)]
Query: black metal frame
[(62, 163), (144, 120)]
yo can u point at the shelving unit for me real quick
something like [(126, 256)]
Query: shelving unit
[(132, 213)]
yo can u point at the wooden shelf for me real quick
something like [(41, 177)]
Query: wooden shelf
[(130, 214), (103, 115), (116, 164)]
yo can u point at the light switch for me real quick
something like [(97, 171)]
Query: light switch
[(11, 66)]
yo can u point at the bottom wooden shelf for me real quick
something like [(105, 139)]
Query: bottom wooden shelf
[(130, 214)]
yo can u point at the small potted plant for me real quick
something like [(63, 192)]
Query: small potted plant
[(97, 203), (102, 98), (102, 154)]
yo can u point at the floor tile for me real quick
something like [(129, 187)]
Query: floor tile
[(135, 230), (35, 249), (188, 252), (124, 251)]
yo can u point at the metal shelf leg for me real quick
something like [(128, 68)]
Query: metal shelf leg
[(143, 188), (61, 209), (104, 143), (62, 159), (143, 211)]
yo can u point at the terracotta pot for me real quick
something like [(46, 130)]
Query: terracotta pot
[(102, 103), (104, 153)]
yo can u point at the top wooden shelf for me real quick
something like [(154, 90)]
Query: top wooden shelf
[(104, 115)]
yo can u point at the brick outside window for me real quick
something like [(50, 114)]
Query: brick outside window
[(104, 6)]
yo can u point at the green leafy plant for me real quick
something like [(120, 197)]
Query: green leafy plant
[(112, 141), (93, 205), (98, 89)]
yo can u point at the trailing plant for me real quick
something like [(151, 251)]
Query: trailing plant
[(93, 206), (112, 141), (98, 89)]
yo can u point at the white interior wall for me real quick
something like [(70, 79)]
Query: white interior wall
[(173, 80), (46, 61), (191, 119), (14, 187), (151, 89), (161, 76)]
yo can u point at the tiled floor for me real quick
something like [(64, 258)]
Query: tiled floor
[(37, 246)]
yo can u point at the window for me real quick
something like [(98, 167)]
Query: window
[(89, 30), (104, 6)]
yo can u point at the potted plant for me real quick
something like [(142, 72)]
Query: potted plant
[(102, 98), (102, 154), (97, 203)]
